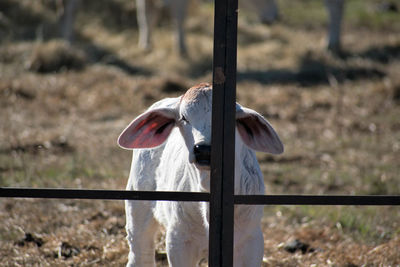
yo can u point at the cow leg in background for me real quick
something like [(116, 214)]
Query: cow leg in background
[(335, 11), (145, 16), (267, 10), (270, 13), (67, 19), (178, 10)]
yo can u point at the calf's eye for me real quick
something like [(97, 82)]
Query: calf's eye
[(183, 119)]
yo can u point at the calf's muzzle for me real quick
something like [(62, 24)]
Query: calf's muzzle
[(202, 154)]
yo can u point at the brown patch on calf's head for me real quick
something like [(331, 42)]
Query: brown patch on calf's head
[(194, 91)]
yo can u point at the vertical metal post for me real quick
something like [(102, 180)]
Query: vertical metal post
[(223, 134)]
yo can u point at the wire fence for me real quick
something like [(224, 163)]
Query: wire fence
[(221, 196)]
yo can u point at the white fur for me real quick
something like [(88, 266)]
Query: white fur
[(171, 167)]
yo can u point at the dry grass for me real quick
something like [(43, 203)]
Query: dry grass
[(338, 118), (55, 56)]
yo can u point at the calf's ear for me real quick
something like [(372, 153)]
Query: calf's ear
[(256, 132), (149, 130)]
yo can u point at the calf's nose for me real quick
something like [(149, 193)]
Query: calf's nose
[(202, 154)]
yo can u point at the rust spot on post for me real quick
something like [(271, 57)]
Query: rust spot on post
[(219, 76)]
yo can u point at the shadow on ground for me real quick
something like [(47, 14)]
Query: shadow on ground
[(312, 71)]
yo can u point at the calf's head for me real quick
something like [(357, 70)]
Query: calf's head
[(192, 115)]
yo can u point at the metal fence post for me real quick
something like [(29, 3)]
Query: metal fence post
[(223, 134)]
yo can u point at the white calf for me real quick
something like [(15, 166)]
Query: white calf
[(267, 10), (173, 141)]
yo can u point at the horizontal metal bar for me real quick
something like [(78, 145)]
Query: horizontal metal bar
[(334, 200), (102, 194)]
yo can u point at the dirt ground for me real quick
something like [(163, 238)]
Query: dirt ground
[(62, 107)]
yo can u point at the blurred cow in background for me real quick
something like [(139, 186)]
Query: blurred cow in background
[(335, 11), (267, 11), (147, 12), (67, 10)]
